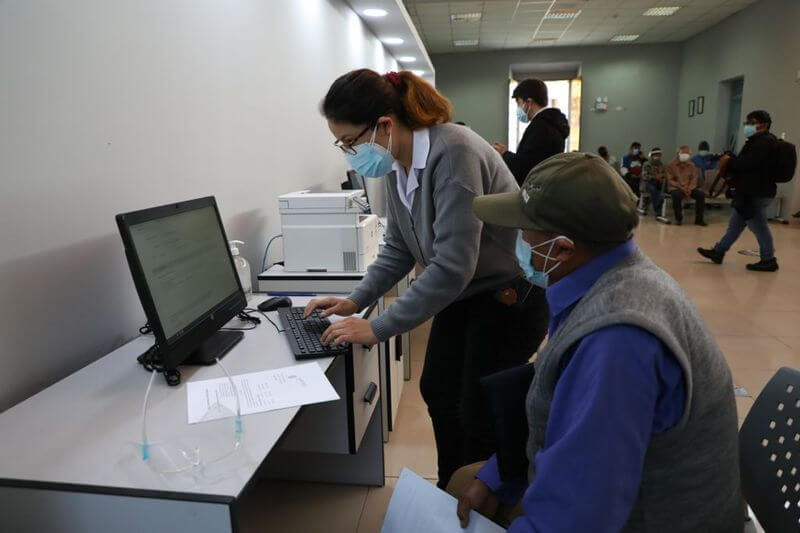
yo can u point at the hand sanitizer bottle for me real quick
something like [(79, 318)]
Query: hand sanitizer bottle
[(242, 268)]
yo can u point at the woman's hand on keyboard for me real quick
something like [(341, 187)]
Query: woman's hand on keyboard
[(352, 330), (332, 306)]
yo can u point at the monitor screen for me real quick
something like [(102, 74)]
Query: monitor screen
[(185, 261)]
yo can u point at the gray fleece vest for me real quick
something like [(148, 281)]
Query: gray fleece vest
[(690, 481)]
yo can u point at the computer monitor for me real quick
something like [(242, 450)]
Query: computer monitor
[(186, 279)]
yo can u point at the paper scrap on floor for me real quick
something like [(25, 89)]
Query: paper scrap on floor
[(267, 390), (418, 505)]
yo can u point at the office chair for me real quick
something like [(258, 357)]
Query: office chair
[(769, 453)]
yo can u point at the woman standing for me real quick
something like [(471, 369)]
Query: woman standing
[(486, 316)]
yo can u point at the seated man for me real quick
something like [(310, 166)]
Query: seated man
[(654, 175), (683, 180), (632, 422), (704, 160)]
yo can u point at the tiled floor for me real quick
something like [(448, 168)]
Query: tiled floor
[(755, 318)]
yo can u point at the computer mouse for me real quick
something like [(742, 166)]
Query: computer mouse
[(275, 302)]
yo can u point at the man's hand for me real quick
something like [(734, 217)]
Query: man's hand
[(332, 306), (476, 496), (352, 330), (500, 147)]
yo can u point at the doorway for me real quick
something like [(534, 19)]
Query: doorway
[(730, 92)]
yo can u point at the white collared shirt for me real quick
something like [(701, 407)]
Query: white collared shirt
[(408, 185)]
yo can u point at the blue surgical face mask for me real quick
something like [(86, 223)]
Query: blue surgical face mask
[(635, 151), (702, 153), (372, 160), (522, 115), (749, 130), (524, 251)]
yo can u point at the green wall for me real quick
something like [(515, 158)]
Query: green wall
[(761, 43), (642, 79)]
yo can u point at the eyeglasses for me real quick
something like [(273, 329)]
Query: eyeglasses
[(348, 147)]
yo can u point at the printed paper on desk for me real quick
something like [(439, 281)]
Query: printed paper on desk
[(258, 392), (419, 506)]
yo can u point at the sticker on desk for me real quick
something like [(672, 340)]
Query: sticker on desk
[(259, 392)]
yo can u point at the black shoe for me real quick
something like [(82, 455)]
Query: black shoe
[(714, 255), (796, 215), (765, 265), (701, 223), (679, 222)]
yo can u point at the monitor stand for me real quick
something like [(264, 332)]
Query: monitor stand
[(215, 347)]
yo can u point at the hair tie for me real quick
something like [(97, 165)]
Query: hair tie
[(393, 78)]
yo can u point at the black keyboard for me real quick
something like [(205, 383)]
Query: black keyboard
[(304, 333)]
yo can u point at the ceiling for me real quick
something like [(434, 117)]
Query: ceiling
[(534, 23)]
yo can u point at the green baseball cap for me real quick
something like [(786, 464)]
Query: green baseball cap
[(573, 194)]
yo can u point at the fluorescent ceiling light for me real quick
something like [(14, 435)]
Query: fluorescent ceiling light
[(406, 59), (375, 12), (624, 38), (466, 17), (393, 40), (545, 40), (466, 42), (661, 11), (562, 14), (418, 72)]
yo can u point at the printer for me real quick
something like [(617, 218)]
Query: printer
[(327, 231)]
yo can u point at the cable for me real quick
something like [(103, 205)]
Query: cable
[(238, 429), (146, 329), (251, 310), (145, 443), (266, 251)]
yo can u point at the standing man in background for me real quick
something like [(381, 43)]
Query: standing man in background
[(632, 167), (544, 137), (751, 176)]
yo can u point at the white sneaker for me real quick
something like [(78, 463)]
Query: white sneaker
[(663, 220), (641, 211)]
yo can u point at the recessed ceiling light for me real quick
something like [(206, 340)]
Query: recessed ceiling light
[(661, 11), (406, 59), (375, 12), (562, 14), (466, 17), (466, 42), (418, 72), (393, 40), (624, 38)]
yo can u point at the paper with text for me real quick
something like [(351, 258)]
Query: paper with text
[(267, 390), (419, 506)]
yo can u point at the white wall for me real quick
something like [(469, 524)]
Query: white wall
[(108, 106)]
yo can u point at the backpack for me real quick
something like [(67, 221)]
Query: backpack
[(784, 161)]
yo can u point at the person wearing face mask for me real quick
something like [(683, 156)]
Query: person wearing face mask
[(632, 422), (544, 137), (486, 317), (654, 175), (704, 160), (683, 179), (632, 165), (755, 190)]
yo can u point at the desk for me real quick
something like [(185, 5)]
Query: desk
[(395, 354), (69, 460)]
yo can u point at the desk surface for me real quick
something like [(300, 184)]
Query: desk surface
[(84, 429)]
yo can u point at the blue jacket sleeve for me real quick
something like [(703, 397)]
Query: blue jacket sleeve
[(620, 386), (509, 493)]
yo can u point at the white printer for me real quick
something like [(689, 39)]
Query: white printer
[(327, 231)]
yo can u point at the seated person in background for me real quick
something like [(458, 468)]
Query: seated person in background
[(683, 181), (632, 167), (631, 415), (608, 158), (654, 175), (702, 160)]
